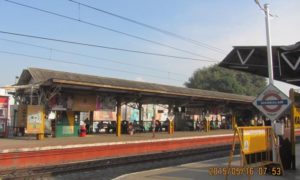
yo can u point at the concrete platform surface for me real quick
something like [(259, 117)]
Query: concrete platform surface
[(202, 170)]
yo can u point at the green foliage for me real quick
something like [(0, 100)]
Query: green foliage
[(216, 78)]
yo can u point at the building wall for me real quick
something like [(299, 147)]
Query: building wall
[(3, 92)]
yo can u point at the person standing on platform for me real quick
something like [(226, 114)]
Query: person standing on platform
[(87, 125), (198, 125), (153, 127)]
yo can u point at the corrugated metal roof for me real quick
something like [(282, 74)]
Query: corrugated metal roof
[(43, 75)]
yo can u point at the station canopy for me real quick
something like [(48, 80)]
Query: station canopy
[(254, 59), (146, 92)]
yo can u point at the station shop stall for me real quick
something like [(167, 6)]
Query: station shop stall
[(68, 112), (62, 116)]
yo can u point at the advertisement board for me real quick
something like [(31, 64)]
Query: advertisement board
[(35, 119), (67, 130), (296, 116), (254, 140), (104, 115)]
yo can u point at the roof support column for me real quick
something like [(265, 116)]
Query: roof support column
[(171, 119), (125, 112), (118, 129), (31, 94), (140, 113)]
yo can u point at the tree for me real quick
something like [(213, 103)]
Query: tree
[(216, 78)]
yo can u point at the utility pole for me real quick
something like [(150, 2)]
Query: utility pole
[(269, 47), (270, 63)]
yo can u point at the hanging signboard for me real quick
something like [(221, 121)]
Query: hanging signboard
[(104, 115), (35, 119), (84, 103), (105, 103), (272, 102)]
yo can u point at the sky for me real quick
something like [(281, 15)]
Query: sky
[(220, 24)]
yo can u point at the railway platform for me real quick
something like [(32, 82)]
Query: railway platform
[(27, 152), (29, 143)]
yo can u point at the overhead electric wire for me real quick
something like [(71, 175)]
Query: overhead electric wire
[(108, 29), (85, 65), (106, 47), (89, 56), (201, 44)]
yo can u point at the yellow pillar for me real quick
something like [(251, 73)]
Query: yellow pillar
[(171, 126), (207, 123), (233, 120), (171, 117), (118, 131), (173, 129)]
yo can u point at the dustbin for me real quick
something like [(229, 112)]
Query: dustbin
[(40, 136), (82, 132)]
